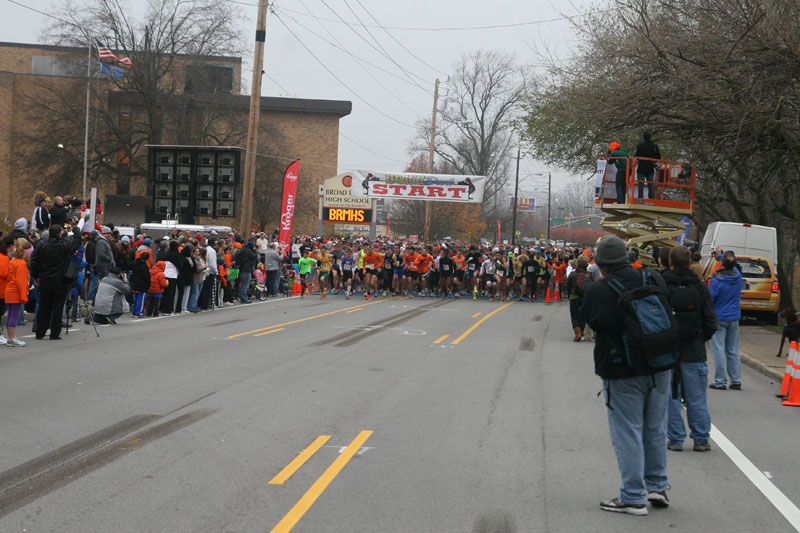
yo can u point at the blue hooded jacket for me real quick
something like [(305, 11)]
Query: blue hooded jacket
[(726, 294)]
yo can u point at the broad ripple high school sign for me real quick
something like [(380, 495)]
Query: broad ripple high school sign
[(411, 186)]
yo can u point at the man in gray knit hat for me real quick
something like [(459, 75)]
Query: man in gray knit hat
[(637, 399)]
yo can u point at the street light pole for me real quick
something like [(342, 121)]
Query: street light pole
[(549, 190), (514, 215)]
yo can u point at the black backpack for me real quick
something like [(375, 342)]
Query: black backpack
[(687, 307), (650, 337), (584, 280)]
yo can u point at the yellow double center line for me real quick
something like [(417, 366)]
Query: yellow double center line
[(311, 318), (307, 500), (478, 323)]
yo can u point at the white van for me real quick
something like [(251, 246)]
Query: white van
[(741, 239)]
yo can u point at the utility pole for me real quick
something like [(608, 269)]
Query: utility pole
[(253, 122), (549, 189), (514, 212), (430, 160)]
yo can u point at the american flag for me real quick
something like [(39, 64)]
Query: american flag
[(106, 53)]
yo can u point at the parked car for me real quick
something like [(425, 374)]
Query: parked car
[(760, 290)]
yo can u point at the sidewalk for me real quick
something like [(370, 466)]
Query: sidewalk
[(758, 347)]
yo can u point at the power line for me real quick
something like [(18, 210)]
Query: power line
[(455, 28), (415, 56), (372, 151), (337, 77), (358, 60), (354, 56), (380, 51), (385, 52)]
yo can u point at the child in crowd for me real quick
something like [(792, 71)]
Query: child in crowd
[(158, 282)]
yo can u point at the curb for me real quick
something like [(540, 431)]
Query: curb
[(755, 364)]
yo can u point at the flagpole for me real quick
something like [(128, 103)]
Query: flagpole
[(86, 133)]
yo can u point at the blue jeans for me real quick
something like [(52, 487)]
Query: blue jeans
[(621, 186), (693, 386), (725, 344), (637, 421), (650, 179), (94, 281), (244, 279), (194, 294), (273, 281)]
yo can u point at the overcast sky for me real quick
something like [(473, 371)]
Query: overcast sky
[(370, 140)]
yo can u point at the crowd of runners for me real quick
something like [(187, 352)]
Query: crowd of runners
[(443, 269), (59, 272)]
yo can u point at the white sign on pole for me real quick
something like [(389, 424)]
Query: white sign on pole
[(93, 206), (412, 186)]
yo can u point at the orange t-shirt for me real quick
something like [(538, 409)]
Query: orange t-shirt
[(424, 263), (17, 286), (409, 259), (4, 263), (373, 260), (459, 261)]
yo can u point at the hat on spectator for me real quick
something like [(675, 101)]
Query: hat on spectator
[(94, 232), (611, 252), (106, 230), (148, 240), (125, 238), (21, 224)]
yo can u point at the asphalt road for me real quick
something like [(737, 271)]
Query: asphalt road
[(406, 415)]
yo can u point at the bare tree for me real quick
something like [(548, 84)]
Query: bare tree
[(171, 37), (475, 133), (716, 80)]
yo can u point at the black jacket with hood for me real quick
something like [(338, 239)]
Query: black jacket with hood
[(694, 349)]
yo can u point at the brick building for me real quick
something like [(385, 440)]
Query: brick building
[(42, 112)]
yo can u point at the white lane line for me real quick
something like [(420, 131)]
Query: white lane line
[(784, 505)]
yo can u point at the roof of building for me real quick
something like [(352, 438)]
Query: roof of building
[(340, 108), (82, 50)]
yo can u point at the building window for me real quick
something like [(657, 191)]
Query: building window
[(208, 79), (58, 66)]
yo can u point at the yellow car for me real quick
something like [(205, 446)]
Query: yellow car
[(760, 290)]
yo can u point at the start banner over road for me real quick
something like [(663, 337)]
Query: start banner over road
[(411, 186)]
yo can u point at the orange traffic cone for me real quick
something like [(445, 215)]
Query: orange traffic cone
[(547, 298), (787, 373), (297, 287), (794, 389), (557, 294)]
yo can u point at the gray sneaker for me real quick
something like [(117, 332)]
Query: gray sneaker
[(675, 447), (616, 506), (658, 499), (15, 343), (701, 446)]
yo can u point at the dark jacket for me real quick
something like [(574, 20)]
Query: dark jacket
[(58, 215), (41, 218), (103, 255), (694, 349), (601, 311), (574, 278), (140, 278), (50, 260), (89, 254), (246, 260), (647, 149), (726, 294)]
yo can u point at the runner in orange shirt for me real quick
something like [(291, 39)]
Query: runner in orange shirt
[(372, 264), (424, 263), (411, 274), (461, 264)]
